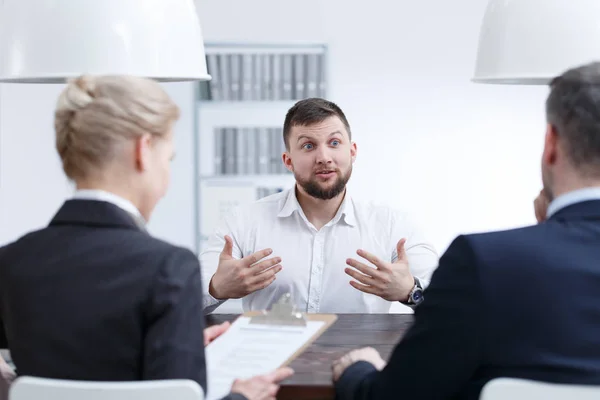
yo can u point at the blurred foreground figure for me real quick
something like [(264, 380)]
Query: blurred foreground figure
[(520, 303)]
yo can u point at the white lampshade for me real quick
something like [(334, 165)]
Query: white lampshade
[(48, 41), (532, 41)]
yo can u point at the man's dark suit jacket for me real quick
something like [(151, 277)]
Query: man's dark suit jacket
[(522, 303), (94, 297)]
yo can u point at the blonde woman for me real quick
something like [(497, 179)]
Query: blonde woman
[(93, 296)]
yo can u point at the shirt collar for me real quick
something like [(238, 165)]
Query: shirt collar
[(570, 198), (102, 195), (346, 209)]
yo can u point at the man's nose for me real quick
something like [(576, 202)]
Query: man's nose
[(323, 156)]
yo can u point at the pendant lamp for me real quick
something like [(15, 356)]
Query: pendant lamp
[(49, 41), (529, 42)]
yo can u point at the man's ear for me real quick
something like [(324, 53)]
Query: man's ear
[(287, 161), (353, 150), (549, 155)]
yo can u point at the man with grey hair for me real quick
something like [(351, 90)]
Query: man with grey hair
[(520, 303)]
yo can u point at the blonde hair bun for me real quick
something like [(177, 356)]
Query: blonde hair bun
[(78, 94)]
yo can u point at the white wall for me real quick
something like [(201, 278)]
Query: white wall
[(458, 156), (33, 186)]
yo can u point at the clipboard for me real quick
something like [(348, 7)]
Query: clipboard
[(259, 342), (283, 313)]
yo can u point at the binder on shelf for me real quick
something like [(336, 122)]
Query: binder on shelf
[(214, 83), (247, 76), (257, 77), (299, 76), (235, 76), (241, 151), (322, 74), (266, 77), (276, 80), (287, 71), (230, 149), (263, 151), (219, 150), (312, 76), (224, 76), (275, 159), (251, 151)]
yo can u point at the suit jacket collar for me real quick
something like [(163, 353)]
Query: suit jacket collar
[(98, 194), (96, 213), (589, 209)]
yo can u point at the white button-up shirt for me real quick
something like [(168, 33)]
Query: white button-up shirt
[(314, 260)]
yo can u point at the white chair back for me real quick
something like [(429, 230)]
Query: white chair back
[(31, 388), (521, 389)]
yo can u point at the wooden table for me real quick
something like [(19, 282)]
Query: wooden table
[(312, 378)]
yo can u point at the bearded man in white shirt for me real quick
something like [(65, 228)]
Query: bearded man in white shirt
[(332, 253)]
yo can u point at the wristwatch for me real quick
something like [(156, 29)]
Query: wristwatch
[(415, 297)]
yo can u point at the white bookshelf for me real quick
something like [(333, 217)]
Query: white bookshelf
[(239, 125), (239, 117)]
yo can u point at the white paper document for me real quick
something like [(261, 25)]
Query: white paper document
[(247, 350)]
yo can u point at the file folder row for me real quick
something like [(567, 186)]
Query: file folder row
[(264, 77), (266, 191), (248, 151)]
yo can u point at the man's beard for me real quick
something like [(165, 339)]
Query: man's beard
[(313, 188)]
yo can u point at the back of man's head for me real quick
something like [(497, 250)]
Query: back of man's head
[(573, 110)]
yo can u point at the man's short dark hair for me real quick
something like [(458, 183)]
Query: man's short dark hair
[(573, 109), (311, 111)]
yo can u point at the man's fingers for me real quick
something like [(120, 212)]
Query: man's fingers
[(280, 374), (222, 328), (364, 288), (264, 265), (265, 275), (337, 371), (215, 331), (365, 269), (538, 215), (264, 279), (228, 247), (273, 389), (362, 278), (372, 258), (256, 257), (540, 206), (401, 250), (262, 284)]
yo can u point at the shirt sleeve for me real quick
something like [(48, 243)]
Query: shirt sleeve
[(422, 256), (209, 257)]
